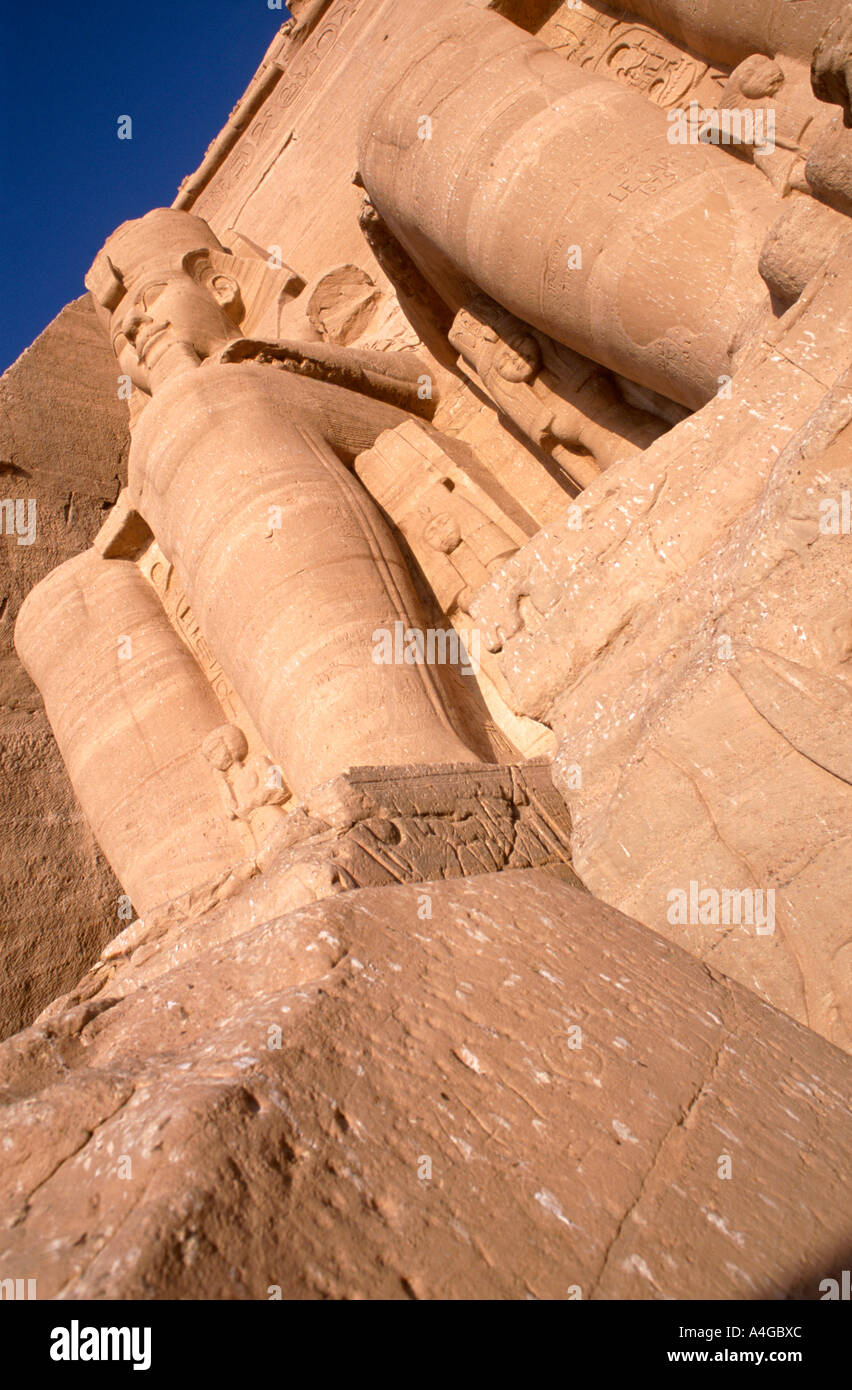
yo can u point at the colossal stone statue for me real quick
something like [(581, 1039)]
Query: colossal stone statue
[(288, 565), (286, 561)]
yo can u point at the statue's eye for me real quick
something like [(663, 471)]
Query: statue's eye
[(151, 293)]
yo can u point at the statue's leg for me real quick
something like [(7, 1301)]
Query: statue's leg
[(129, 708), (560, 193)]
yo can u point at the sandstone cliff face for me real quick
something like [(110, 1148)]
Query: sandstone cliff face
[(692, 591), (63, 447)]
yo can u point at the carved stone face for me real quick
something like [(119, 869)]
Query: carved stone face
[(162, 284), (442, 532), (225, 746), (185, 308), (517, 357)]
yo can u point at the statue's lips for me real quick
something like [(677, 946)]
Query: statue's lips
[(146, 339)]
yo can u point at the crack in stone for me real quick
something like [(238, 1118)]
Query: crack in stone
[(679, 1123)]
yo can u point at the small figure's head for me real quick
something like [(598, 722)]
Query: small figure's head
[(225, 746), (442, 532), (156, 284), (517, 357), (492, 339), (754, 79)]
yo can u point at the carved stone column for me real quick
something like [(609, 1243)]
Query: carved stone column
[(129, 708)]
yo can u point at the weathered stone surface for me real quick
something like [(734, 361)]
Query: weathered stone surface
[(573, 1080), (689, 645), (63, 445)]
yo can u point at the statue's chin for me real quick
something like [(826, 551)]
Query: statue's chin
[(169, 358)]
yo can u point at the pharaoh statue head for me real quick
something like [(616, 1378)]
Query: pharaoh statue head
[(159, 284)]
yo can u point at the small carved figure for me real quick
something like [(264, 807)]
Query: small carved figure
[(251, 790), (565, 405)]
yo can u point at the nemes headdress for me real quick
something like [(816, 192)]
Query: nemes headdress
[(165, 235), (164, 238)]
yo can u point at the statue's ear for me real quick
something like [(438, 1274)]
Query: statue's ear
[(252, 288), (268, 284), (219, 282), (226, 291)]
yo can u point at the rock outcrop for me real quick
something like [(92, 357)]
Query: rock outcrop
[(492, 1088)]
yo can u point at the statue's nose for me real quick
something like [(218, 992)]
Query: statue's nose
[(133, 323)]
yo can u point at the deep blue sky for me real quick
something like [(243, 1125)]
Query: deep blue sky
[(67, 72)]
